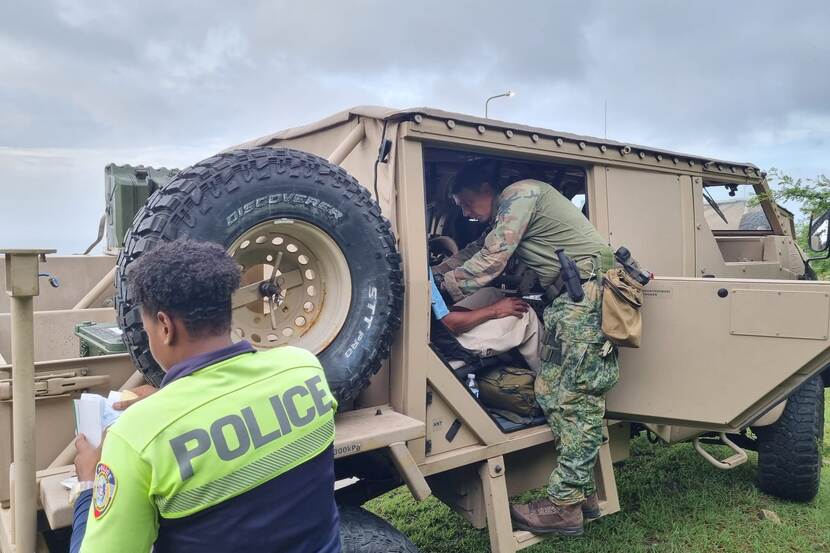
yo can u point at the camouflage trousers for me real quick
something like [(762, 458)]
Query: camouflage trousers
[(581, 367)]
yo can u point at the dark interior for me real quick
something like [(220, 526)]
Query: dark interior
[(441, 166)]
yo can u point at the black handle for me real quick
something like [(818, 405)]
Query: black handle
[(570, 276)]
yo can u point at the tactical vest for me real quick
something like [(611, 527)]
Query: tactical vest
[(230, 427)]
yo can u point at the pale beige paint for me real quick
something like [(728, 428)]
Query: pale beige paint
[(54, 332), (77, 275)]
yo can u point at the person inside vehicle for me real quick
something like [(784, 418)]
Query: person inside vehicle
[(530, 219), (487, 323), (234, 451)]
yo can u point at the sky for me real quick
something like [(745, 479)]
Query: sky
[(161, 83)]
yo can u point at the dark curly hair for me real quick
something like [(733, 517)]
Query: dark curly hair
[(189, 280)]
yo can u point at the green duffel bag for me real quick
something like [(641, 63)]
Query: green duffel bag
[(509, 389)]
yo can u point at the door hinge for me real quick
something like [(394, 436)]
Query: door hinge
[(57, 384), (428, 447)]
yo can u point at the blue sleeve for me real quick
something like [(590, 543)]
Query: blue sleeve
[(439, 306), (81, 513)]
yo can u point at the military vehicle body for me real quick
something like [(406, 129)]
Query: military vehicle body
[(732, 326)]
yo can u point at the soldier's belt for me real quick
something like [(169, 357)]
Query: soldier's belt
[(556, 289), (599, 265)]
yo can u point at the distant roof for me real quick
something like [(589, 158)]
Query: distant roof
[(381, 113)]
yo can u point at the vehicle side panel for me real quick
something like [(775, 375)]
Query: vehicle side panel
[(716, 352), (651, 214)]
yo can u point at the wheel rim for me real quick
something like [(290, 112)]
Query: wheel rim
[(311, 291)]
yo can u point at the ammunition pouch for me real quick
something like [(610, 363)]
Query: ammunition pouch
[(622, 298), (551, 349)]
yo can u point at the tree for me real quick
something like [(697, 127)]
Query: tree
[(813, 195), (813, 198)]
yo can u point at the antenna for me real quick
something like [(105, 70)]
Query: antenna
[(606, 119)]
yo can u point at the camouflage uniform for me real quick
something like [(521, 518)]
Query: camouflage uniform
[(531, 220), (581, 368), (485, 259)]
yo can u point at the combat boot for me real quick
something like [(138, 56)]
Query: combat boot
[(545, 517), (590, 507)]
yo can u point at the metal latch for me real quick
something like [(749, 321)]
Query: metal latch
[(57, 383)]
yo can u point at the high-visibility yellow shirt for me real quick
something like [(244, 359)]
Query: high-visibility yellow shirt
[(220, 436)]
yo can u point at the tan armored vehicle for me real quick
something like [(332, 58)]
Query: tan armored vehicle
[(335, 224)]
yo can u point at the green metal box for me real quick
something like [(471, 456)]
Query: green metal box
[(127, 189), (100, 339)]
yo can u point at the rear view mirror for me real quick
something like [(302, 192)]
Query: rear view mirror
[(818, 232)]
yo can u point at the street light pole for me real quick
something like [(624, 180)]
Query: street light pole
[(502, 95)]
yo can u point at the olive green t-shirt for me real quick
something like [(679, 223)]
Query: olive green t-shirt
[(531, 220)]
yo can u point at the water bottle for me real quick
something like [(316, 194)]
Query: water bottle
[(472, 384)]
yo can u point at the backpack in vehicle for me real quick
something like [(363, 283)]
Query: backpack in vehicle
[(509, 389)]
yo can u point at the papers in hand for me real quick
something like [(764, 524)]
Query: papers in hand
[(69, 482), (94, 413)]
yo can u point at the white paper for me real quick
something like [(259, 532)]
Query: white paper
[(94, 413), (69, 482), (110, 414)]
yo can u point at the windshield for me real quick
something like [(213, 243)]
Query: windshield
[(733, 207)]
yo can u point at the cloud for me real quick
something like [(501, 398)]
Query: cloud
[(167, 80)]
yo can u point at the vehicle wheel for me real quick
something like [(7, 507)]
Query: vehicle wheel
[(294, 215), (789, 450), (364, 532)]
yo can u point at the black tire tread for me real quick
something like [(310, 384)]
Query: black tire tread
[(789, 450), (364, 532), (175, 203)]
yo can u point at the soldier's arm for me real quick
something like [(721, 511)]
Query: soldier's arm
[(122, 516), (516, 206), (461, 257)]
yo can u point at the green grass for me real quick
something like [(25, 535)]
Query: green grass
[(672, 501)]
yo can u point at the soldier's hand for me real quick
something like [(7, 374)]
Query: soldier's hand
[(507, 307)]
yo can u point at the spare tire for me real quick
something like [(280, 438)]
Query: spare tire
[(337, 288)]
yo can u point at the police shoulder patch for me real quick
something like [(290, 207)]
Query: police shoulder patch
[(104, 490)]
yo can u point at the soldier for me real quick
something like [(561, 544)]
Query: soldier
[(233, 453), (531, 220)]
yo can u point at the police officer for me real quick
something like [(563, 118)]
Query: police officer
[(531, 220), (233, 453)]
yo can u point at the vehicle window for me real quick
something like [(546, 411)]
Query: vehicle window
[(579, 200), (733, 207)]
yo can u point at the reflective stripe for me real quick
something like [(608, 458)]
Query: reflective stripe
[(249, 476)]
